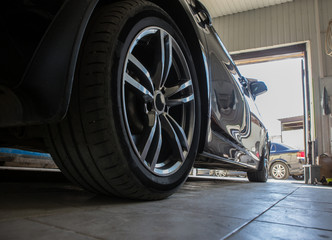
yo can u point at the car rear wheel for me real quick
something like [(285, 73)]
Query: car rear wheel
[(132, 129), (279, 171)]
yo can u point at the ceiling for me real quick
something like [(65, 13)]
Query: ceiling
[(219, 8)]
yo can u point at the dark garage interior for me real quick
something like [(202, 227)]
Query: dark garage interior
[(137, 119)]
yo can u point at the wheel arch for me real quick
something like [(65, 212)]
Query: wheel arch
[(278, 160)]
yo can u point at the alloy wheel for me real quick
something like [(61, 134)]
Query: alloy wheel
[(158, 101), (279, 171)]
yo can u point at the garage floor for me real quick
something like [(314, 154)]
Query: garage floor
[(46, 206)]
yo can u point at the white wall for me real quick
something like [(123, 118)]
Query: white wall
[(294, 138), (293, 22)]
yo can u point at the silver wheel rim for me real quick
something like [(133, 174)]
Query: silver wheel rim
[(158, 101), (278, 171)]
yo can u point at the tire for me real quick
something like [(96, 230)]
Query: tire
[(262, 174), (298, 177), (259, 175), (133, 124), (279, 171)]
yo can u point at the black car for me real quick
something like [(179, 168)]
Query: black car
[(286, 161), (126, 95)]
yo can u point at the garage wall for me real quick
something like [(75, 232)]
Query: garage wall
[(279, 24), (292, 22), (325, 15)]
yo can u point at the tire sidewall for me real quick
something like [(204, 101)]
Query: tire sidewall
[(265, 170)]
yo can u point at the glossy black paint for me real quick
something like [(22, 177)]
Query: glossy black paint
[(235, 135), (232, 134), (234, 115)]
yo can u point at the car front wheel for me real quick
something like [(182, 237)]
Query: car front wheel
[(262, 173), (259, 175), (132, 129)]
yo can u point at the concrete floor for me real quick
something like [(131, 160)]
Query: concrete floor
[(46, 206)]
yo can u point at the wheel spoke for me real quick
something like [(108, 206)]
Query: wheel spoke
[(179, 132), (149, 140), (175, 141), (140, 67), (158, 148), (173, 90), (166, 55), (147, 95), (183, 100)]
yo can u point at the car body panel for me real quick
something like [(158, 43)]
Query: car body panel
[(234, 115)]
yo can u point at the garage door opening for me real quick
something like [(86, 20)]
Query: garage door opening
[(285, 108)]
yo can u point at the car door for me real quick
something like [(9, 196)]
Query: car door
[(234, 113), (255, 139), (230, 114), (231, 120), (228, 106)]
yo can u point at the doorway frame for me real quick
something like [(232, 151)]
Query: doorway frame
[(285, 51)]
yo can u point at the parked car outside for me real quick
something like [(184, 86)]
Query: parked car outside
[(127, 95), (227, 173), (218, 173), (286, 161)]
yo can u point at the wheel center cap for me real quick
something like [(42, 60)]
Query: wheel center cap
[(159, 102)]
